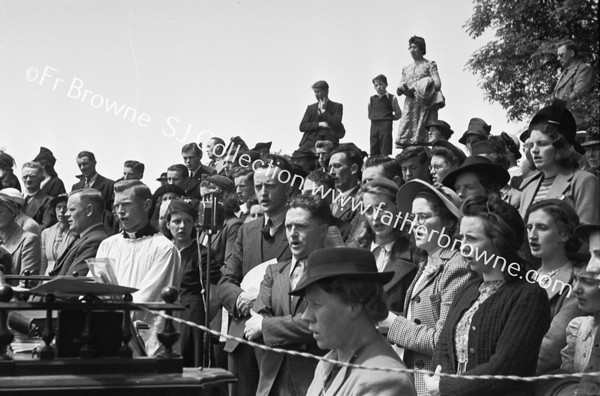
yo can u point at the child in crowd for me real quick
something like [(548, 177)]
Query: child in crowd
[(383, 111)]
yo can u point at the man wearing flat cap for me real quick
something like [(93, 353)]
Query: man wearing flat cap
[(322, 120)]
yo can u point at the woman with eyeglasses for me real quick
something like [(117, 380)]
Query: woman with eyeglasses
[(439, 278), (550, 145), (496, 323), (421, 85), (550, 227)]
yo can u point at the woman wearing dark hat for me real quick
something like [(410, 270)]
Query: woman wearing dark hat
[(496, 323), (161, 198), (180, 224), (418, 111), (51, 185), (345, 297), (476, 176), (57, 238), (440, 276), (7, 177), (477, 130), (550, 144)]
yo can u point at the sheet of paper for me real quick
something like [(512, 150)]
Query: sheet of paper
[(252, 280)]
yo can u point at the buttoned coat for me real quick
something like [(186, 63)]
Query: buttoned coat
[(247, 254), (429, 304), (310, 124), (25, 249), (575, 186), (504, 339), (73, 259), (283, 327)]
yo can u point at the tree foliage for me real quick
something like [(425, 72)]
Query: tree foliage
[(518, 69)]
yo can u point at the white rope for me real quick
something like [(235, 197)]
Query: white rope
[(394, 370)]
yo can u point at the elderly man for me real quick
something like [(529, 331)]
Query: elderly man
[(322, 120), (140, 256), (277, 318), (576, 79), (86, 161), (258, 241), (37, 202), (192, 154), (85, 209)]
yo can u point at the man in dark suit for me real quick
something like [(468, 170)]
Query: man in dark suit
[(86, 161), (345, 166), (85, 209), (277, 317), (37, 202), (322, 120), (258, 241), (192, 154)]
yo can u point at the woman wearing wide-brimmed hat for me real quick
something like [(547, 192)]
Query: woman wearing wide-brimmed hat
[(344, 292), (550, 143), (439, 278), (476, 176)]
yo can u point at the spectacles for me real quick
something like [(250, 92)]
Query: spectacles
[(422, 217)]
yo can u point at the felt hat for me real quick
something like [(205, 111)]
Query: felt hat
[(477, 163), (458, 153), (592, 137), (14, 194), (558, 115), (59, 198), (340, 262), (409, 190), (512, 143), (442, 126), (321, 84), (425, 91), (166, 189), (163, 177), (223, 182), (181, 206), (303, 154), (583, 231), (262, 146), (46, 155), (477, 126)]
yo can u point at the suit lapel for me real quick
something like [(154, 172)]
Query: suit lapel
[(561, 184), (281, 286), (400, 265)]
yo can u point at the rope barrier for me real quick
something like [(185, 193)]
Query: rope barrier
[(356, 366)]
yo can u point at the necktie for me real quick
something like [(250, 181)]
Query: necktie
[(86, 183), (297, 274), (59, 260), (266, 230)]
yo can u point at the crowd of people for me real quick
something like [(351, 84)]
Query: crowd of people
[(442, 259)]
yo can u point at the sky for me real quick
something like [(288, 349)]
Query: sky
[(137, 79)]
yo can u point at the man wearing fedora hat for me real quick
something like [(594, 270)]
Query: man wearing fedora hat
[(344, 292), (477, 130), (277, 321), (322, 120)]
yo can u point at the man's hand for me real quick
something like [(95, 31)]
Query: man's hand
[(244, 303), (384, 325), (323, 124), (432, 382), (253, 329)]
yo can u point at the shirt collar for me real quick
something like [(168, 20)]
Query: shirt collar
[(145, 231), (388, 246), (92, 180), (277, 220), (87, 230)]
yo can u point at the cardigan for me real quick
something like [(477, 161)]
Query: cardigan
[(504, 339)]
